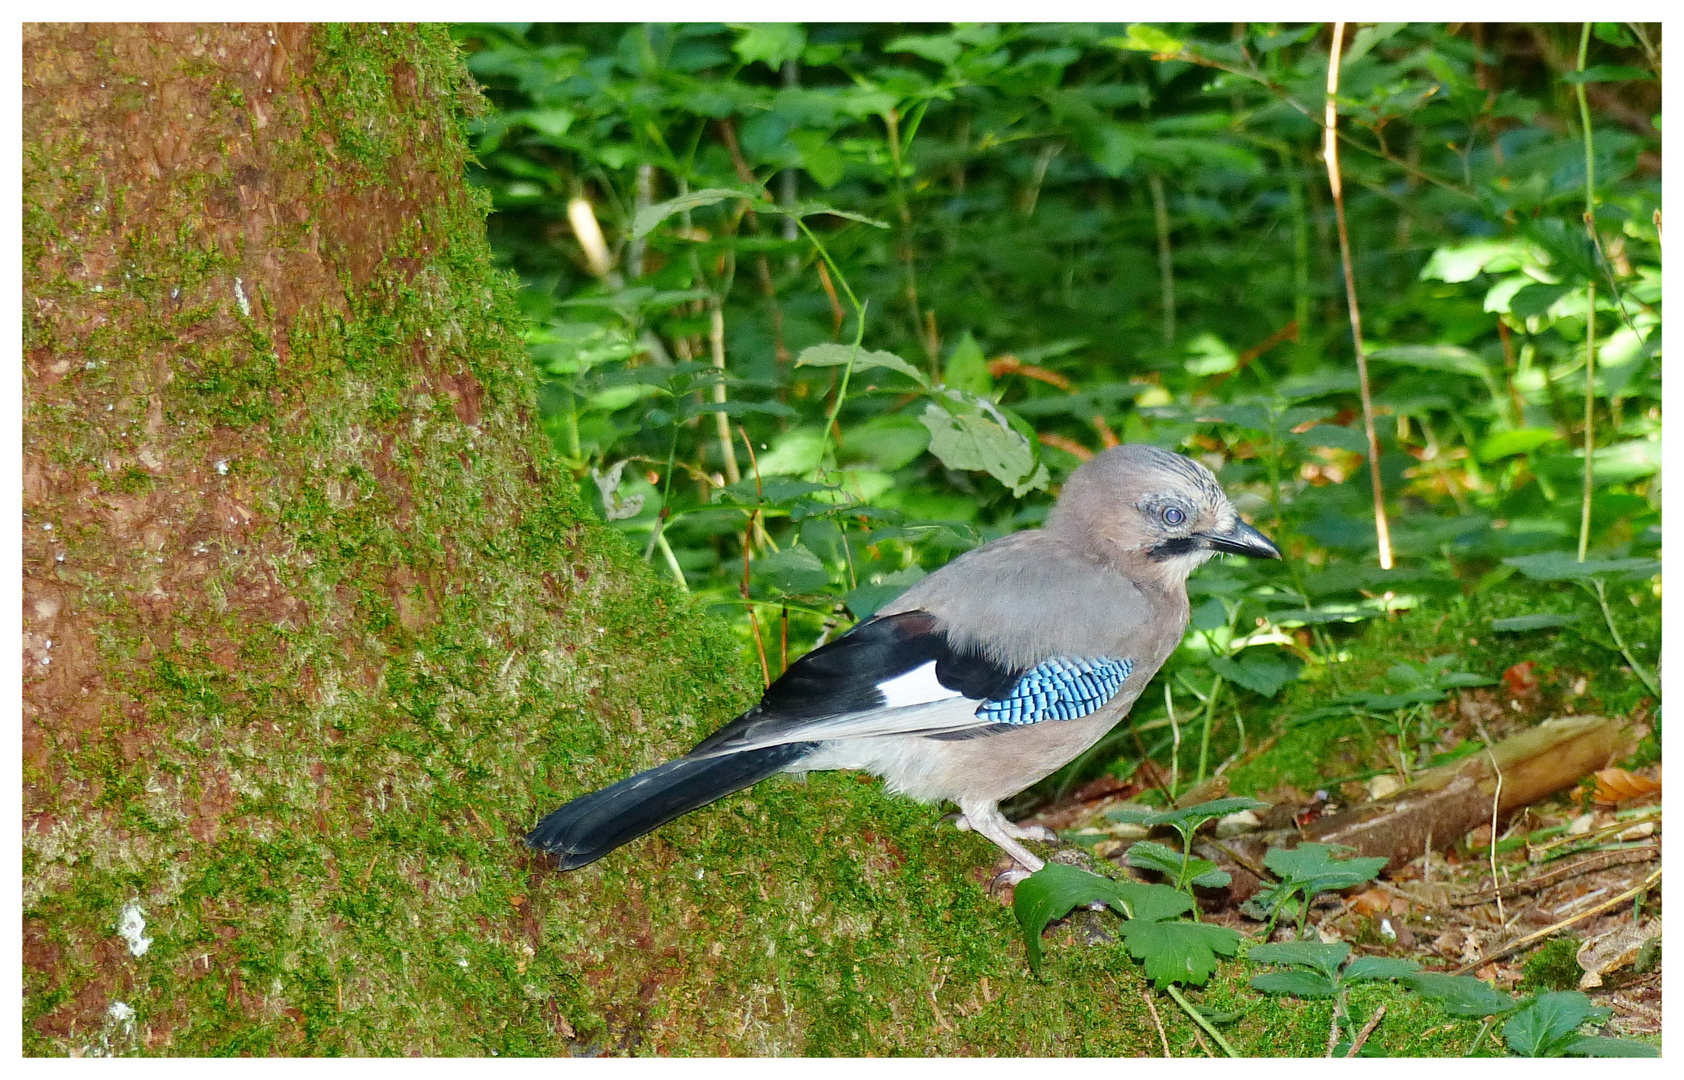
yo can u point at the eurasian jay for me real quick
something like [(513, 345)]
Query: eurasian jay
[(980, 679)]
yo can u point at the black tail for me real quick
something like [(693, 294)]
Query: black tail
[(592, 825)]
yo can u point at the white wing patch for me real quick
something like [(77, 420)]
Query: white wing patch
[(917, 687)]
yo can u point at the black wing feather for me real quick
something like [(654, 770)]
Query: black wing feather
[(842, 676)]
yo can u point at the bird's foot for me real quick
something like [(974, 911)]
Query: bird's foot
[(1016, 832), (1008, 878)]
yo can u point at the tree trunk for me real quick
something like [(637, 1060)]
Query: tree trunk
[(315, 628)]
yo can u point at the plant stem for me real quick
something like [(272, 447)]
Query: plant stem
[(1637, 669), (716, 338), (1210, 715), (1175, 754), (1166, 255), (1199, 1019), (1590, 303), (1330, 122)]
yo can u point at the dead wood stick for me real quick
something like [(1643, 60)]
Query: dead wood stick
[(1367, 1030), (1648, 883), (1560, 874)]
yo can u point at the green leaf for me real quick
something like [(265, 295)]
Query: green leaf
[(1324, 957), (1144, 38), (1547, 1024), (1520, 441), (1152, 903), (967, 368), (1538, 621), (1535, 299), (866, 599), (650, 216), (1183, 952), (888, 442), (1314, 868), (1296, 983), (1151, 855), (941, 48), (830, 354), (1367, 38), (1564, 566), (1459, 995), (1378, 967), (770, 43), (974, 442), (1600, 1046), (1451, 358), (812, 209), (1260, 674), (792, 570), (1050, 893)]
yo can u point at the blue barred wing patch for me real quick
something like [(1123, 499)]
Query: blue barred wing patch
[(1059, 689)]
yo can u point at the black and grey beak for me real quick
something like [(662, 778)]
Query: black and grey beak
[(1242, 539)]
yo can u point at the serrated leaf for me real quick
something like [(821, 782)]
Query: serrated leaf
[(1314, 868), (792, 570), (650, 216), (1379, 967), (1545, 1026), (1183, 952), (830, 354), (1459, 995), (1324, 957), (1152, 903), (1296, 983), (1535, 299)]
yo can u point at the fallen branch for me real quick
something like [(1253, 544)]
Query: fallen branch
[(1446, 803), (1538, 935)]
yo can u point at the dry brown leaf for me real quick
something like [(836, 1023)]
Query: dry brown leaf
[(1615, 786), (1613, 950)]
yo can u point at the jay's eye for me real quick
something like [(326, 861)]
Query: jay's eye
[(1173, 516)]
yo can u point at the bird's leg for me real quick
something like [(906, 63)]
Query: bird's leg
[(986, 820), (1017, 832)]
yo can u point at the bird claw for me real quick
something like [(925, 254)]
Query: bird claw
[(1009, 878), (1032, 832)]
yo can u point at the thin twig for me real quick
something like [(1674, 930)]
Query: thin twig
[(1159, 1024), (1539, 935), (1496, 799), (1367, 1030), (1330, 122)]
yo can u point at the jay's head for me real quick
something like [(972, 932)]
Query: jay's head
[(1158, 515)]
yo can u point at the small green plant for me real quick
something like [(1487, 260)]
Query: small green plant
[(1548, 1026), (1544, 1026), (1173, 950), (1322, 970), (1181, 868), (1305, 872)]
